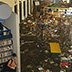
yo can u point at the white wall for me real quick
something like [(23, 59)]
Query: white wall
[(9, 2), (13, 23)]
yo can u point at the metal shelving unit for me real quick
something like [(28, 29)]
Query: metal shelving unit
[(6, 44)]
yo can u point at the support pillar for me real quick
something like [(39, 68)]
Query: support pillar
[(25, 8), (29, 6), (22, 10)]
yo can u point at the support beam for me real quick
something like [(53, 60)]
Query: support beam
[(18, 45), (13, 6), (22, 10), (25, 8)]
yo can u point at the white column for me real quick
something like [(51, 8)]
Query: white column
[(17, 39), (18, 44), (25, 8), (13, 6), (29, 6), (22, 10)]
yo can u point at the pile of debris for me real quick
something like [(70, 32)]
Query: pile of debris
[(35, 50)]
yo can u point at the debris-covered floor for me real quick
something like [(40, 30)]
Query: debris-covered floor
[(33, 57), (37, 33)]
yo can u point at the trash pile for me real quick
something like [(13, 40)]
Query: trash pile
[(37, 59), (50, 27), (35, 37), (27, 26), (57, 29)]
